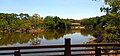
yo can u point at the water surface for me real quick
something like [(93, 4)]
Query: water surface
[(43, 38)]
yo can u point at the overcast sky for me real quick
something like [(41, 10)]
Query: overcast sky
[(76, 9)]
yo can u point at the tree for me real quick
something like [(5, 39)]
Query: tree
[(49, 22), (24, 16), (114, 6), (54, 22), (113, 3), (3, 24)]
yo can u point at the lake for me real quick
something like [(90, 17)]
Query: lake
[(43, 38)]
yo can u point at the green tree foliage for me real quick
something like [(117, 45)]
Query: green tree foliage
[(36, 21), (13, 22), (109, 23), (19, 21), (56, 23), (114, 6), (113, 3)]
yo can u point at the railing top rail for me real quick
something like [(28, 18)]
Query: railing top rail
[(31, 47), (95, 44), (57, 46)]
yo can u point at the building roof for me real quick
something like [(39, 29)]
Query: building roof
[(75, 23)]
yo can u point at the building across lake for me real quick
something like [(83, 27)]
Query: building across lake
[(77, 26)]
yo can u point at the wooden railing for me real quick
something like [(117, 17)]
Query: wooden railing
[(66, 49)]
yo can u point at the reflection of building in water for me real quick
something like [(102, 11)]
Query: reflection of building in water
[(74, 31), (36, 41)]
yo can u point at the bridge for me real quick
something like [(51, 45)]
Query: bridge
[(66, 49)]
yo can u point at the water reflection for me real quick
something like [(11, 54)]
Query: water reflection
[(48, 36), (36, 41)]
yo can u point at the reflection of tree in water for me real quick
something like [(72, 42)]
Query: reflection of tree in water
[(86, 32), (34, 39), (12, 38), (55, 34)]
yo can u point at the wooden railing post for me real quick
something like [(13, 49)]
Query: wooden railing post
[(97, 51), (17, 53), (67, 47)]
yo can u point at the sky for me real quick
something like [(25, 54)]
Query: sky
[(72, 9)]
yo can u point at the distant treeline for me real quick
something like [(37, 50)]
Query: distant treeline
[(14, 22)]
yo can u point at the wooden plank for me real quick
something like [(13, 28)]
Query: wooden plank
[(110, 53), (10, 53), (95, 44), (31, 47), (111, 49), (57, 46), (82, 50), (30, 52), (52, 51), (81, 54)]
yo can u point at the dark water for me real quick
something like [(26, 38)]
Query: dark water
[(43, 38)]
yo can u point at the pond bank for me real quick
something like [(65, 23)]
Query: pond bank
[(24, 30)]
